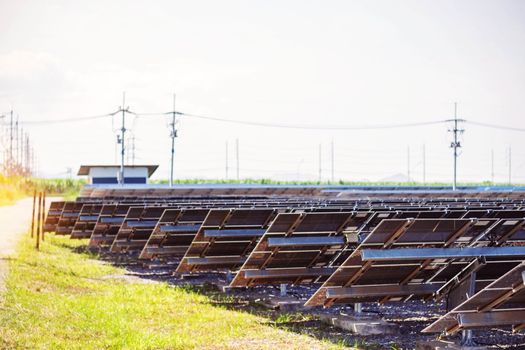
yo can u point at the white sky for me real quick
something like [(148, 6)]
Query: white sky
[(293, 62)]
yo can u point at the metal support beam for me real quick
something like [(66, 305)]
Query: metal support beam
[(289, 272), (234, 233), (440, 253), (316, 241), (366, 291)]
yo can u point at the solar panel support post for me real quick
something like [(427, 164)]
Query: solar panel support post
[(466, 335), (282, 290)]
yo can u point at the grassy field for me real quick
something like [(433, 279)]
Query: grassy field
[(14, 188), (64, 298)]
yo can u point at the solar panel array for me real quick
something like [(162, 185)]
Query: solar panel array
[(469, 250)]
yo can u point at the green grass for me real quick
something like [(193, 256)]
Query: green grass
[(14, 188), (64, 298)]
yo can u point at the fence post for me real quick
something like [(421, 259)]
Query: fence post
[(43, 214), (39, 216), (33, 215)]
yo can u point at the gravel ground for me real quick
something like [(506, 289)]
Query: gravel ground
[(411, 317)]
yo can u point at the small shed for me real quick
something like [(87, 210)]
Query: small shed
[(109, 174)]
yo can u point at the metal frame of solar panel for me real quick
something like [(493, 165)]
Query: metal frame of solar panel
[(225, 238), (401, 259), (499, 304), (86, 221), (108, 223), (298, 247), (68, 217), (173, 233), (53, 215), (136, 228)]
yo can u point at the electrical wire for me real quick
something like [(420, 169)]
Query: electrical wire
[(495, 126), (69, 120), (314, 127)]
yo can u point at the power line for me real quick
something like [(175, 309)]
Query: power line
[(69, 120), (314, 127), (495, 126)]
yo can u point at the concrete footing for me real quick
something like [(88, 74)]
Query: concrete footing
[(445, 345), (362, 325), (285, 303)]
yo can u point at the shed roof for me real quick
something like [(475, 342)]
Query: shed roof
[(84, 169)]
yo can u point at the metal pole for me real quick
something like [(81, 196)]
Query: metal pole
[(38, 221), (424, 164), (333, 165), (455, 144), (33, 215), (11, 145), (122, 140), (320, 160), (492, 166), (226, 160), (510, 165), (43, 215), (408, 163), (173, 135), (237, 156)]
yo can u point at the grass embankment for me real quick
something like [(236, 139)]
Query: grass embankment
[(62, 298)]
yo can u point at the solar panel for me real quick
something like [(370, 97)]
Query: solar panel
[(384, 258), (86, 221), (68, 217), (501, 303), (136, 228), (53, 215), (298, 248), (174, 233), (225, 238)]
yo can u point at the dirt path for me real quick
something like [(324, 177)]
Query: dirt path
[(15, 220)]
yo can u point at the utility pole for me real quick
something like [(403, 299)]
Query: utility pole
[(226, 160), (492, 166), (237, 156), (173, 135), (424, 165), (10, 164), (17, 145), (510, 165), (455, 144), (320, 165), (332, 156), (408, 163), (133, 150), (122, 139), (28, 159), (21, 157)]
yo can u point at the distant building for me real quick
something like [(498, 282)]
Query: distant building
[(109, 174)]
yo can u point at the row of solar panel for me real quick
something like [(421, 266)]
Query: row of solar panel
[(357, 255)]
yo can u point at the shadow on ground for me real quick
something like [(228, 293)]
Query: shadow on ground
[(409, 317)]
